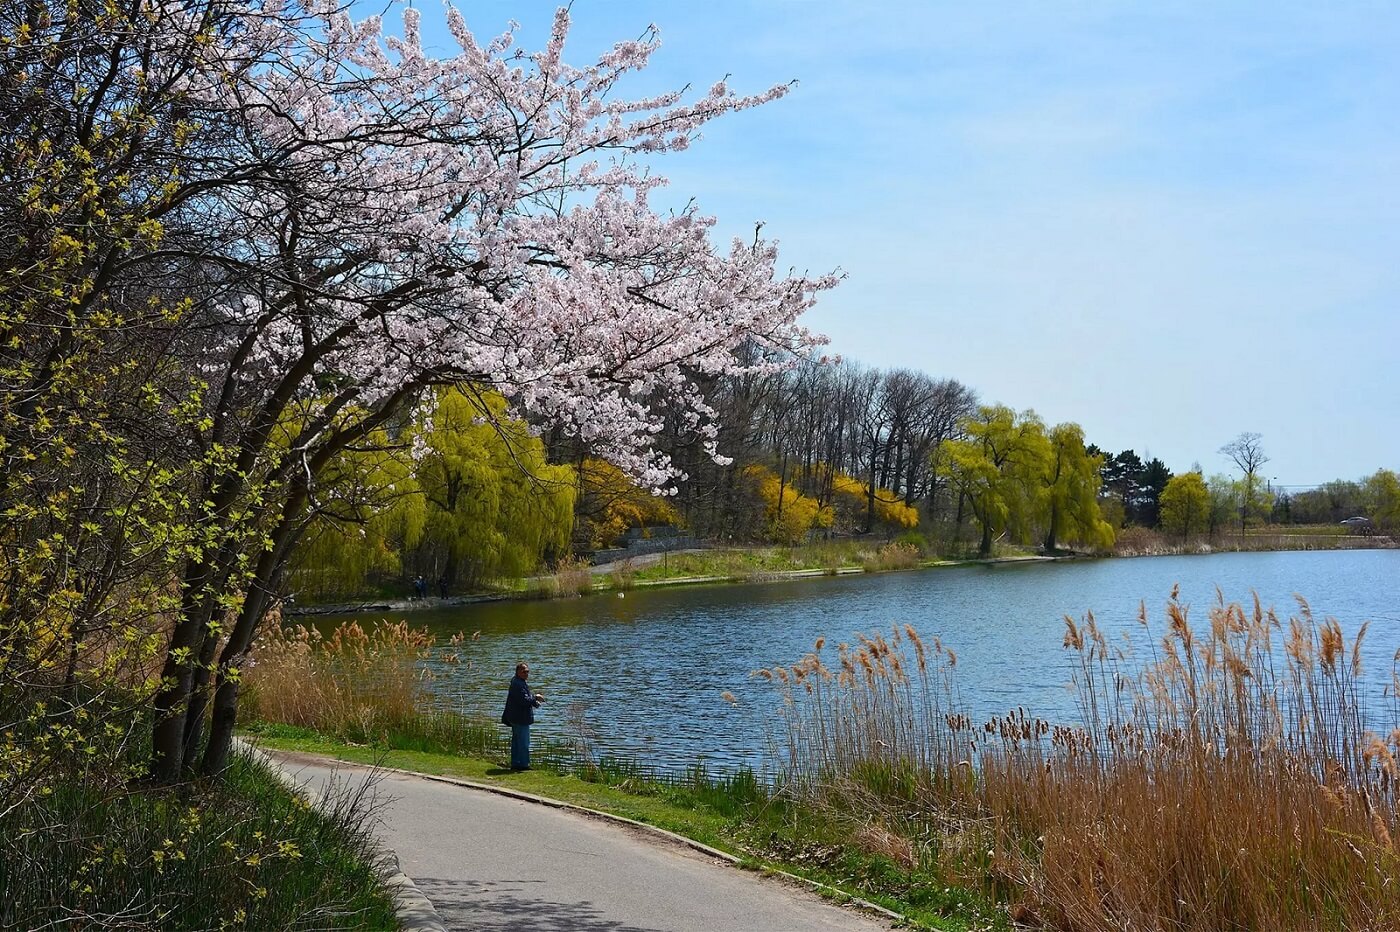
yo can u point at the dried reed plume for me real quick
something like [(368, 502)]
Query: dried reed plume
[(1229, 781), (355, 683)]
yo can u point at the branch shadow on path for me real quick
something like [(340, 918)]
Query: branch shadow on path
[(506, 906)]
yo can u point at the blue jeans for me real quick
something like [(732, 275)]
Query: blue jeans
[(519, 746)]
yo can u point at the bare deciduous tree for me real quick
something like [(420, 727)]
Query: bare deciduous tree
[(1247, 453)]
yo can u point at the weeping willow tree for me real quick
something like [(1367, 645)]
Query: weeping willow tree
[(463, 494), (495, 507), (1070, 482), (378, 516)]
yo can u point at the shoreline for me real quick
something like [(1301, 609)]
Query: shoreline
[(759, 576), (430, 603)]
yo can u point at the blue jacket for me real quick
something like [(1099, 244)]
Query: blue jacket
[(520, 704)]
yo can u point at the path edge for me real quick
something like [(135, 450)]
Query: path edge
[(412, 907), (675, 837)]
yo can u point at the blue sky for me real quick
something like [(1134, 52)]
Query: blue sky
[(1167, 222)]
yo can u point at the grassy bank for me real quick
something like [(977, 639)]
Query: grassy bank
[(93, 853), (1146, 542), (733, 813), (759, 564), (829, 558), (719, 565), (763, 564)]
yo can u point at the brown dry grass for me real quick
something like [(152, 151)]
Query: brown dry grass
[(892, 556), (1226, 782), (356, 682), (572, 577)]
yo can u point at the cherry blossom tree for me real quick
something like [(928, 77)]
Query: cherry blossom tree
[(360, 221)]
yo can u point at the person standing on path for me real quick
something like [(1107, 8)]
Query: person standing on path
[(519, 714)]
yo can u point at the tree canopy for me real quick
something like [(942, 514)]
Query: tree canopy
[(281, 215), (1186, 505)]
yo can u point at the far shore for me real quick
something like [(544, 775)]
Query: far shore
[(603, 584)]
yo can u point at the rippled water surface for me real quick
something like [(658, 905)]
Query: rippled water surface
[(645, 672)]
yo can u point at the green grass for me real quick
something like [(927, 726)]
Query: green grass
[(733, 564), (749, 562), (741, 563), (1306, 530), (243, 853), (735, 814)]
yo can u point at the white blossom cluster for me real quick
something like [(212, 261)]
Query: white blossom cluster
[(410, 220)]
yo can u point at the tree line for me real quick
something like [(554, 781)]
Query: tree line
[(828, 448), (818, 449), (835, 447)]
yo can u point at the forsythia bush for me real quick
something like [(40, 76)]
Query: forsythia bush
[(790, 514)]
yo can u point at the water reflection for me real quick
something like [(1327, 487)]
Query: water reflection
[(646, 671)]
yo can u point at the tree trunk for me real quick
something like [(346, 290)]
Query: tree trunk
[(870, 490), (224, 716), (782, 486), (177, 676), (267, 575), (198, 703), (261, 592)]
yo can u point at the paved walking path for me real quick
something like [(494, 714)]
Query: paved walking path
[(492, 863)]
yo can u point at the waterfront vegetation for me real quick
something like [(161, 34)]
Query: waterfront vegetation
[(1137, 541), (759, 563), (766, 563), (913, 551), (1219, 774), (92, 847), (1224, 779)]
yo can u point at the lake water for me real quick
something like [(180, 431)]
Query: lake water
[(645, 672)]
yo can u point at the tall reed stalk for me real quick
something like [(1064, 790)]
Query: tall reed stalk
[(571, 578), (1227, 781), (356, 683)]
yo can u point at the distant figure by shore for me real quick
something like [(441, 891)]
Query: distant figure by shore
[(519, 714)]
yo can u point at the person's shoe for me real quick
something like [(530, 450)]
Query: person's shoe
[(518, 769)]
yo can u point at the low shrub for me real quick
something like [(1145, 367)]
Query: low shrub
[(623, 576), (917, 540), (1145, 542), (896, 555), (241, 853), (572, 577)]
